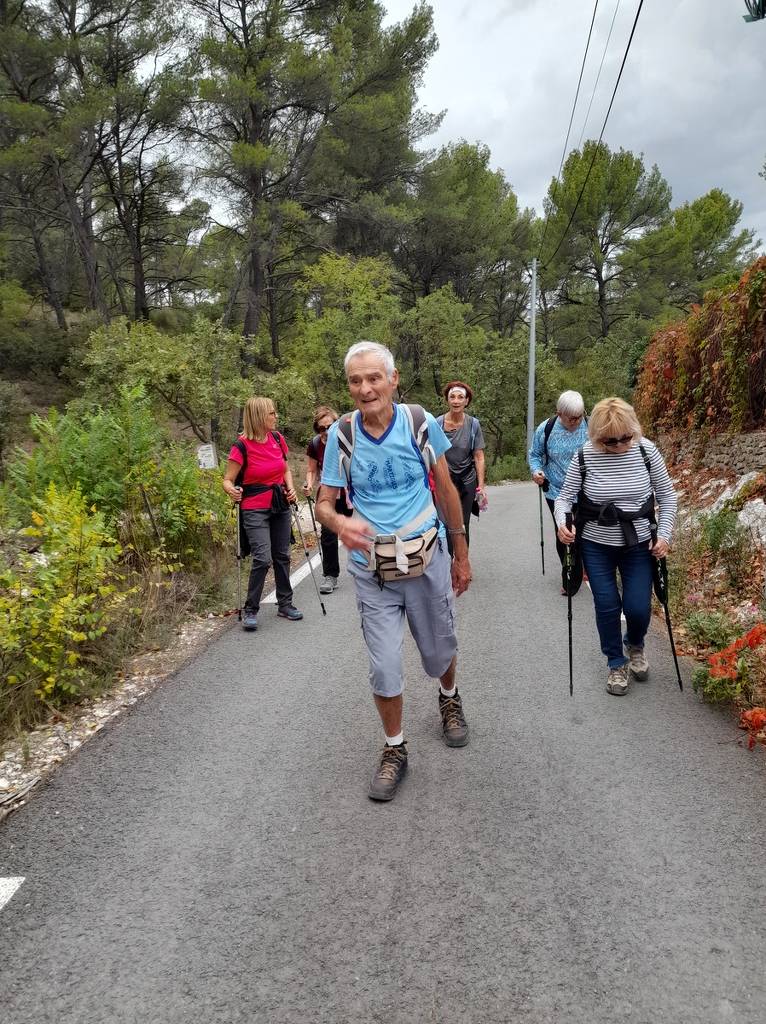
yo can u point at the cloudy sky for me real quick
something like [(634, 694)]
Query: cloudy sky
[(691, 98)]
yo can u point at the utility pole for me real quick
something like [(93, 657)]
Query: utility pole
[(531, 384)]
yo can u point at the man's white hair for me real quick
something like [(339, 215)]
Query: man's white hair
[(362, 348), (570, 403)]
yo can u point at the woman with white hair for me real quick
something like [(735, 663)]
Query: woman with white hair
[(615, 481), (554, 443)]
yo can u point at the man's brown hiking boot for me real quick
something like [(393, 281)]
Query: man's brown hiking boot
[(392, 769), (454, 725)]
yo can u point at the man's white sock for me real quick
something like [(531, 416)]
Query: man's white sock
[(395, 741), (447, 693)]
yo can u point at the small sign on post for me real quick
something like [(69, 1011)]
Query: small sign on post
[(207, 456)]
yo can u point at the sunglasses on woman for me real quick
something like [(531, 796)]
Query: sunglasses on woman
[(611, 442)]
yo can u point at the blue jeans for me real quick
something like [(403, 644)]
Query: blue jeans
[(635, 566)]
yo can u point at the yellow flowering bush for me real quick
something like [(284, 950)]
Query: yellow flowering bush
[(56, 602)]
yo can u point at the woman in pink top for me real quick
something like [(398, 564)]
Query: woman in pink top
[(259, 478)]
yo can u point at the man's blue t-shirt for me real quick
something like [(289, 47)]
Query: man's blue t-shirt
[(388, 479), (562, 445)]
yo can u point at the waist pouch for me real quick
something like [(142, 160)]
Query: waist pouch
[(392, 558)]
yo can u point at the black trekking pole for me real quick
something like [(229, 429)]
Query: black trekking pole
[(316, 532), (568, 568), (239, 562), (542, 539), (296, 520), (660, 574)]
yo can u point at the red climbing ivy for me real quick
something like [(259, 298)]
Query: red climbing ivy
[(709, 371)]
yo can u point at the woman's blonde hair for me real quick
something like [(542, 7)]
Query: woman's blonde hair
[(255, 420), (612, 417)]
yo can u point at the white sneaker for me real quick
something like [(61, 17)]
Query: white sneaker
[(639, 666), (326, 586), (617, 681), (335, 582)]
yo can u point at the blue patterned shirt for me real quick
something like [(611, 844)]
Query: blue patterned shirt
[(562, 445)]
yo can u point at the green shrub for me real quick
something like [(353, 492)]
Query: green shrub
[(711, 629), (150, 492), (56, 603), (723, 689), (731, 544), (512, 467)]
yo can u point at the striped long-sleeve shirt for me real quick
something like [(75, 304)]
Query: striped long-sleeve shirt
[(623, 479)]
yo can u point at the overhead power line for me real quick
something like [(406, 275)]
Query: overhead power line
[(601, 135), (598, 76), (571, 116)]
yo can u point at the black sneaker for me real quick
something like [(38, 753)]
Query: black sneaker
[(392, 769), (454, 725)]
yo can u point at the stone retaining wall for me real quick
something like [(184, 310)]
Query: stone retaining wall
[(738, 453)]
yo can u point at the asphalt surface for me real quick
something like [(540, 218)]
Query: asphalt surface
[(212, 855)]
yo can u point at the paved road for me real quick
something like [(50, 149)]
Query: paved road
[(212, 856)]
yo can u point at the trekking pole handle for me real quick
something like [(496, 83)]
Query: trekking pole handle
[(568, 520)]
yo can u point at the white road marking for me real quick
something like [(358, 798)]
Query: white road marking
[(297, 576), (8, 887)]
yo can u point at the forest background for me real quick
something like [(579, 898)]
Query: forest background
[(206, 202)]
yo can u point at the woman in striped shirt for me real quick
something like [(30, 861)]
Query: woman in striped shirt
[(614, 480)]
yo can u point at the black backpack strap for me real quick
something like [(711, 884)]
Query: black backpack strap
[(239, 444), (281, 442), (647, 461), (546, 434)]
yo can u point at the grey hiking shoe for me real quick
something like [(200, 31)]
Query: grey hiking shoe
[(617, 681), (288, 612), (326, 586), (639, 666), (249, 620), (390, 772), (454, 725)]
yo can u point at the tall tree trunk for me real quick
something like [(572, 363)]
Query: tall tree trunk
[(603, 311), (140, 305), (118, 285), (271, 298), (86, 245), (46, 279), (231, 302), (256, 287)]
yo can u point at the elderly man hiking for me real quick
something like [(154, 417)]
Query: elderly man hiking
[(382, 453)]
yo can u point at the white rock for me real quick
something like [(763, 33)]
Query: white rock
[(5, 786), (732, 492), (710, 486), (753, 516)]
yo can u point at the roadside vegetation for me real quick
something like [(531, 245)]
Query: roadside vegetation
[(706, 374)]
